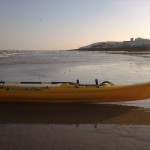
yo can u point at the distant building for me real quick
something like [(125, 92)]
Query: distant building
[(129, 43), (132, 39), (140, 42), (136, 42), (114, 44)]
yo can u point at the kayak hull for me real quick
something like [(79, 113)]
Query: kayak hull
[(70, 94)]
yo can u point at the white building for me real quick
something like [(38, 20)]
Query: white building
[(136, 42), (129, 43), (140, 41)]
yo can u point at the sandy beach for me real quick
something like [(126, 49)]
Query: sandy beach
[(124, 125)]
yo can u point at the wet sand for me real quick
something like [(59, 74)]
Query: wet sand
[(46, 113), (46, 126)]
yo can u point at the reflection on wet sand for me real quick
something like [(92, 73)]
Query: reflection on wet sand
[(36, 113)]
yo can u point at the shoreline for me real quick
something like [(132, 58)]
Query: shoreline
[(115, 51), (120, 50)]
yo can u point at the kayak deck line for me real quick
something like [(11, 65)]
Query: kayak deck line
[(2, 83), (70, 92)]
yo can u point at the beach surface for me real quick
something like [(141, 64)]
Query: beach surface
[(124, 125)]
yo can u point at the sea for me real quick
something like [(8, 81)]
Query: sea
[(103, 126)]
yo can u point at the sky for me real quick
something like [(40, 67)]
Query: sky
[(70, 24)]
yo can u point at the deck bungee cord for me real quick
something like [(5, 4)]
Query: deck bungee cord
[(77, 83)]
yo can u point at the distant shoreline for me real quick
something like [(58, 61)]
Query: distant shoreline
[(124, 48), (119, 50)]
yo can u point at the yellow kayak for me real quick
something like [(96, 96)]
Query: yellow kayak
[(74, 93)]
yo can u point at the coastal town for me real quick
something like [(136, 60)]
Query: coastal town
[(137, 44)]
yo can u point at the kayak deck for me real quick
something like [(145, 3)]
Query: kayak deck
[(67, 93)]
